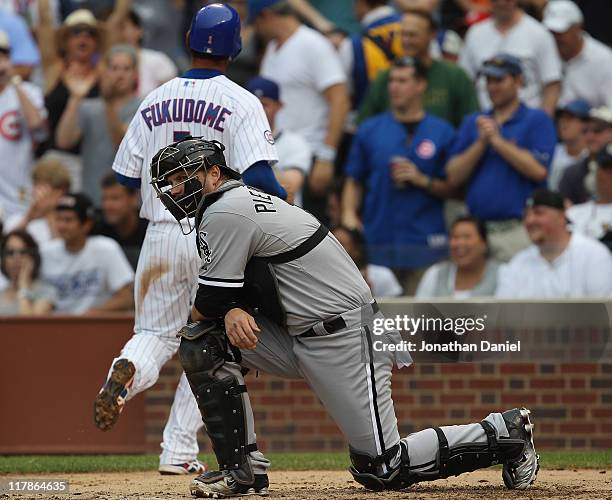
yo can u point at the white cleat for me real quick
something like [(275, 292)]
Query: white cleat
[(192, 467)]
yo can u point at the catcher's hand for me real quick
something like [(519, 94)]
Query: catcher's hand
[(240, 328)]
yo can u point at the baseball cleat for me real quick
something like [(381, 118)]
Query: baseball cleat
[(192, 467), (221, 484), (110, 401), (520, 474)]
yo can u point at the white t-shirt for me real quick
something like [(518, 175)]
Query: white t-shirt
[(528, 40), (383, 281), (16, 150), (154, 69), (304, 67), (561, 160), (293, 152), (87, 278), (582, 270), (38, 228), (214, 108), (591, 219), (589, 75)]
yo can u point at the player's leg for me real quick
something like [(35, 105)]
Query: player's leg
[(218, 382), (179, 444), (133, 371)]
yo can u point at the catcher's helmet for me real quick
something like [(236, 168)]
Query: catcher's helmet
[(186, 156), (215, 30)]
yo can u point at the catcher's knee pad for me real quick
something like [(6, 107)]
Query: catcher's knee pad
[(465, 457), (219, 398)]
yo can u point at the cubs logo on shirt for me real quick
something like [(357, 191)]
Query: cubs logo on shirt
[(426, 149)]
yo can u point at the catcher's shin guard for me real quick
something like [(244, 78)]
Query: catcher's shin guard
[(220, 400), (466, 457)]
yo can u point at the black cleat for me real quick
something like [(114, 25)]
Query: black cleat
[(521, 473), (221, 484)]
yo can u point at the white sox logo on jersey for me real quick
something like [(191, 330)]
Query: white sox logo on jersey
[(205, 252)]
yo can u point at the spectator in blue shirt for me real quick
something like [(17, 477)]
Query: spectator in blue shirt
[(396, 179), (501, 156)]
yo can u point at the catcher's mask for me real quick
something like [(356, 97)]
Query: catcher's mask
[(188, 156)]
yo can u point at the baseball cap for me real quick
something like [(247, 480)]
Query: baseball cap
[(80, 17), (262, 87), (578, 108), (561, 15), (256, 7), (502, 65), (5, 44), (545, 198), (604, 157), (450, 42), (601, 114), (79, 203)]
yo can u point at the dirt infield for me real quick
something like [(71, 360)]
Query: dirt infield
[(336, 485)]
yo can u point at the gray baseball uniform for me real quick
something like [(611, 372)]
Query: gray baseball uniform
[(349, 377)]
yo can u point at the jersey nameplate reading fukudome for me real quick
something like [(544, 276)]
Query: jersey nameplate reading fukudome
[(262, 202), (185, 111)]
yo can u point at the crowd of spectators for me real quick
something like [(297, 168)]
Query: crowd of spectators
[(457, 148)]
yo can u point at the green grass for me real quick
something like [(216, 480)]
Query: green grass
[(44, 464)]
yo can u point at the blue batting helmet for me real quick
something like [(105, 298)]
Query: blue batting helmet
[(215, 30)]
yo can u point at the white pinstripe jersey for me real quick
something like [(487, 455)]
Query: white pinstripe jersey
[(202, 106)]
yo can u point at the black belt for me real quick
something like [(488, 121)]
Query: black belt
[(335, 325)]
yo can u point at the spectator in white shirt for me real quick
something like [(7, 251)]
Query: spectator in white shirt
[(154, 67), (380, 279), (308, 70), (571, 124), (558, 264), (91, 273), (511, 31), (587, 63), (594, 218), (470, 272), (294, 153)]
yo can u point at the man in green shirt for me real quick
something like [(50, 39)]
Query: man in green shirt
[(450, 92)]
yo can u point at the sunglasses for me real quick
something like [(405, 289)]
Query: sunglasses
[(595, 129), (80, 29), (12, 252)]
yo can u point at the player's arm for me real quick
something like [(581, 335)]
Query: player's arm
[(261, 176)]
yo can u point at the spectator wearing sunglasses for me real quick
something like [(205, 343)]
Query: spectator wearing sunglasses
[(25, 294), (71, 64)]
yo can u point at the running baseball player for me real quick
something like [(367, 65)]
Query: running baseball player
[(201, 102), (312, 318)]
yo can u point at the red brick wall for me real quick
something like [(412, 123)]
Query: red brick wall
[(571, 404)]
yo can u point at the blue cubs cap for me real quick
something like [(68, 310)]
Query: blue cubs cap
[(604, 157), (578, 108), (257, 6), (215, 30), (262, 87), (502, 65)]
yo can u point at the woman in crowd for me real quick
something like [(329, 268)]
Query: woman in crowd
[(470, 272), (71, 56), (20, 264)]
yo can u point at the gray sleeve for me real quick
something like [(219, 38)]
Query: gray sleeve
[(226, 242)]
